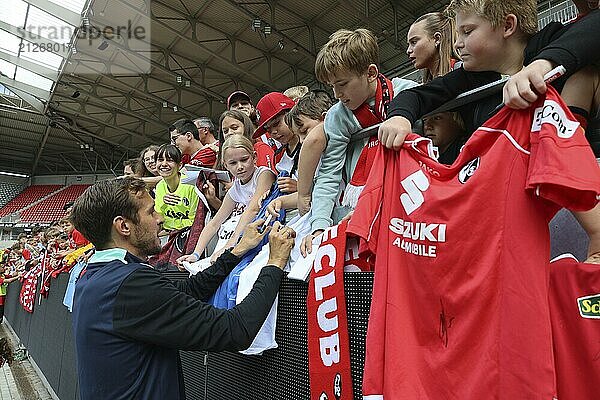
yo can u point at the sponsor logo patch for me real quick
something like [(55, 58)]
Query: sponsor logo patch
[(589, 306), (552, 113)]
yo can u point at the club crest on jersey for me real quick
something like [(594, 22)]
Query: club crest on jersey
[(589, 306), (468, 170), (552, 113)]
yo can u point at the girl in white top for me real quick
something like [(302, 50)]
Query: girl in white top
[(239, 158)]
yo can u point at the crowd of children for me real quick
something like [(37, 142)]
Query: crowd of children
[(312, 139), (53, 250), (307, 135)]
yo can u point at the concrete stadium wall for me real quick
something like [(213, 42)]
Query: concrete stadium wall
[(14, 179), (68, 179), (47, 335)]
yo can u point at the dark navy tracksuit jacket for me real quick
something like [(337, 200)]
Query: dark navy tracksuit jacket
[(129, 322)]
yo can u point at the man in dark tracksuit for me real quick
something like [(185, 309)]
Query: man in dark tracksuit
[(130, 321)]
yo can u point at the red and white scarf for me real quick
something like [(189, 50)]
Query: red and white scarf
[(368, 117), (328, 342), (29, 286)]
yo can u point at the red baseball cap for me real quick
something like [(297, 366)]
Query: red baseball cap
[(268, 107), (236, 95)]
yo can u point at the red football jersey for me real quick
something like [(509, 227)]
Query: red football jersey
[(575, 312), (460, 295), (205, 157)]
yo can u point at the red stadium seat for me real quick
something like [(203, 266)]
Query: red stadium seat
[(51, 209), (28, 196)]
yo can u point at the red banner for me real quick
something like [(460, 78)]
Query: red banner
[(328, 343)]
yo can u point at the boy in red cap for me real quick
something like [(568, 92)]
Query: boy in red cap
[(271, 111)]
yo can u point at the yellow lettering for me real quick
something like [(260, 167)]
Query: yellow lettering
[(586, 305)]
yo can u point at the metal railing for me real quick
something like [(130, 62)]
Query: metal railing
[(562, 12)]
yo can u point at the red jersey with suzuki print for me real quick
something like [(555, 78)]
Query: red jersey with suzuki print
[(460, 296)]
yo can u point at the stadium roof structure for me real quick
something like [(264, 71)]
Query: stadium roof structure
[(113, 74)]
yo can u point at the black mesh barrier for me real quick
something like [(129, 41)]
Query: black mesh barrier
[(282, 373), (36, 329), (358, 286), (278, 374), (68, 387), (195, 373)]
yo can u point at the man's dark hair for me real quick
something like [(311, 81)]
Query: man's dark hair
[(95, 210), (170, 152), (205, 122), (70, 204), (184, 126)]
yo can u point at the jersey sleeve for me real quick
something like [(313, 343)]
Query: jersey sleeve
[(366, 218), (562, 166), (417, 101), (205, 158), (573, 46)]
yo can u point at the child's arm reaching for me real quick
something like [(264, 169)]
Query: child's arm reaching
[(310, 154), (287, 202), (590, 222), (210, 230), (13, 278), (265, 181), (582, 89), (339, 125), (573, 46)]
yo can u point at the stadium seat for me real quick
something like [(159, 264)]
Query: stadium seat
[(26, 197), (51, 209), (9, 191)]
